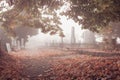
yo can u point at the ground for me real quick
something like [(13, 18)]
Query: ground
[(68, 64)]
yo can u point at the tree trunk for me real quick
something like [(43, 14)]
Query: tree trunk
[(110, 43), (2, 52)]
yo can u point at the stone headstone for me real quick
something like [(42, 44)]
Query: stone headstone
[(88, 37), (18, 45), (13, 42), (22, 43), (73, 38), (8, 47)]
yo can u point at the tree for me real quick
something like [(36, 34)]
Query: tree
[(32, 13), (115, 29), (3, 39), (96, 14), (111, 34), (23, 32), (93, 14)]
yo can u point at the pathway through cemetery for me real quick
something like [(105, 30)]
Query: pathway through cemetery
[(35, 67), (39, 64)]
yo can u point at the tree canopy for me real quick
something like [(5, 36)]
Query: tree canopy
[(96, 14), (92, 14), (31, 13)]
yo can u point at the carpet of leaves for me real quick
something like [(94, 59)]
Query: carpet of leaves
[(10, 67), (84, 67), (63, 65), (94, 69)]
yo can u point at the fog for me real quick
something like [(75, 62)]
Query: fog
[(41, 38)]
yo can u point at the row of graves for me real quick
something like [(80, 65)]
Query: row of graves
[(15, 45), (88, 41)]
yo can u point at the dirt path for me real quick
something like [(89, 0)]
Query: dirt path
[(35, 67), (37, 63)]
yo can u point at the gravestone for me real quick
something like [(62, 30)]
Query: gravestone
[(73, 38), (18, 45), (8, 47), (22, 43), (13, 42), (88, 39), (62, 42)]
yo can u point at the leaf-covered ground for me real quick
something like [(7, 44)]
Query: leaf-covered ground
[(10, 67), (55, 64)]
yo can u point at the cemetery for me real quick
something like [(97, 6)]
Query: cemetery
[(59, 40)]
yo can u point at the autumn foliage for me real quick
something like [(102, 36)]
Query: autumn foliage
[(9, 67), (58, 64)]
